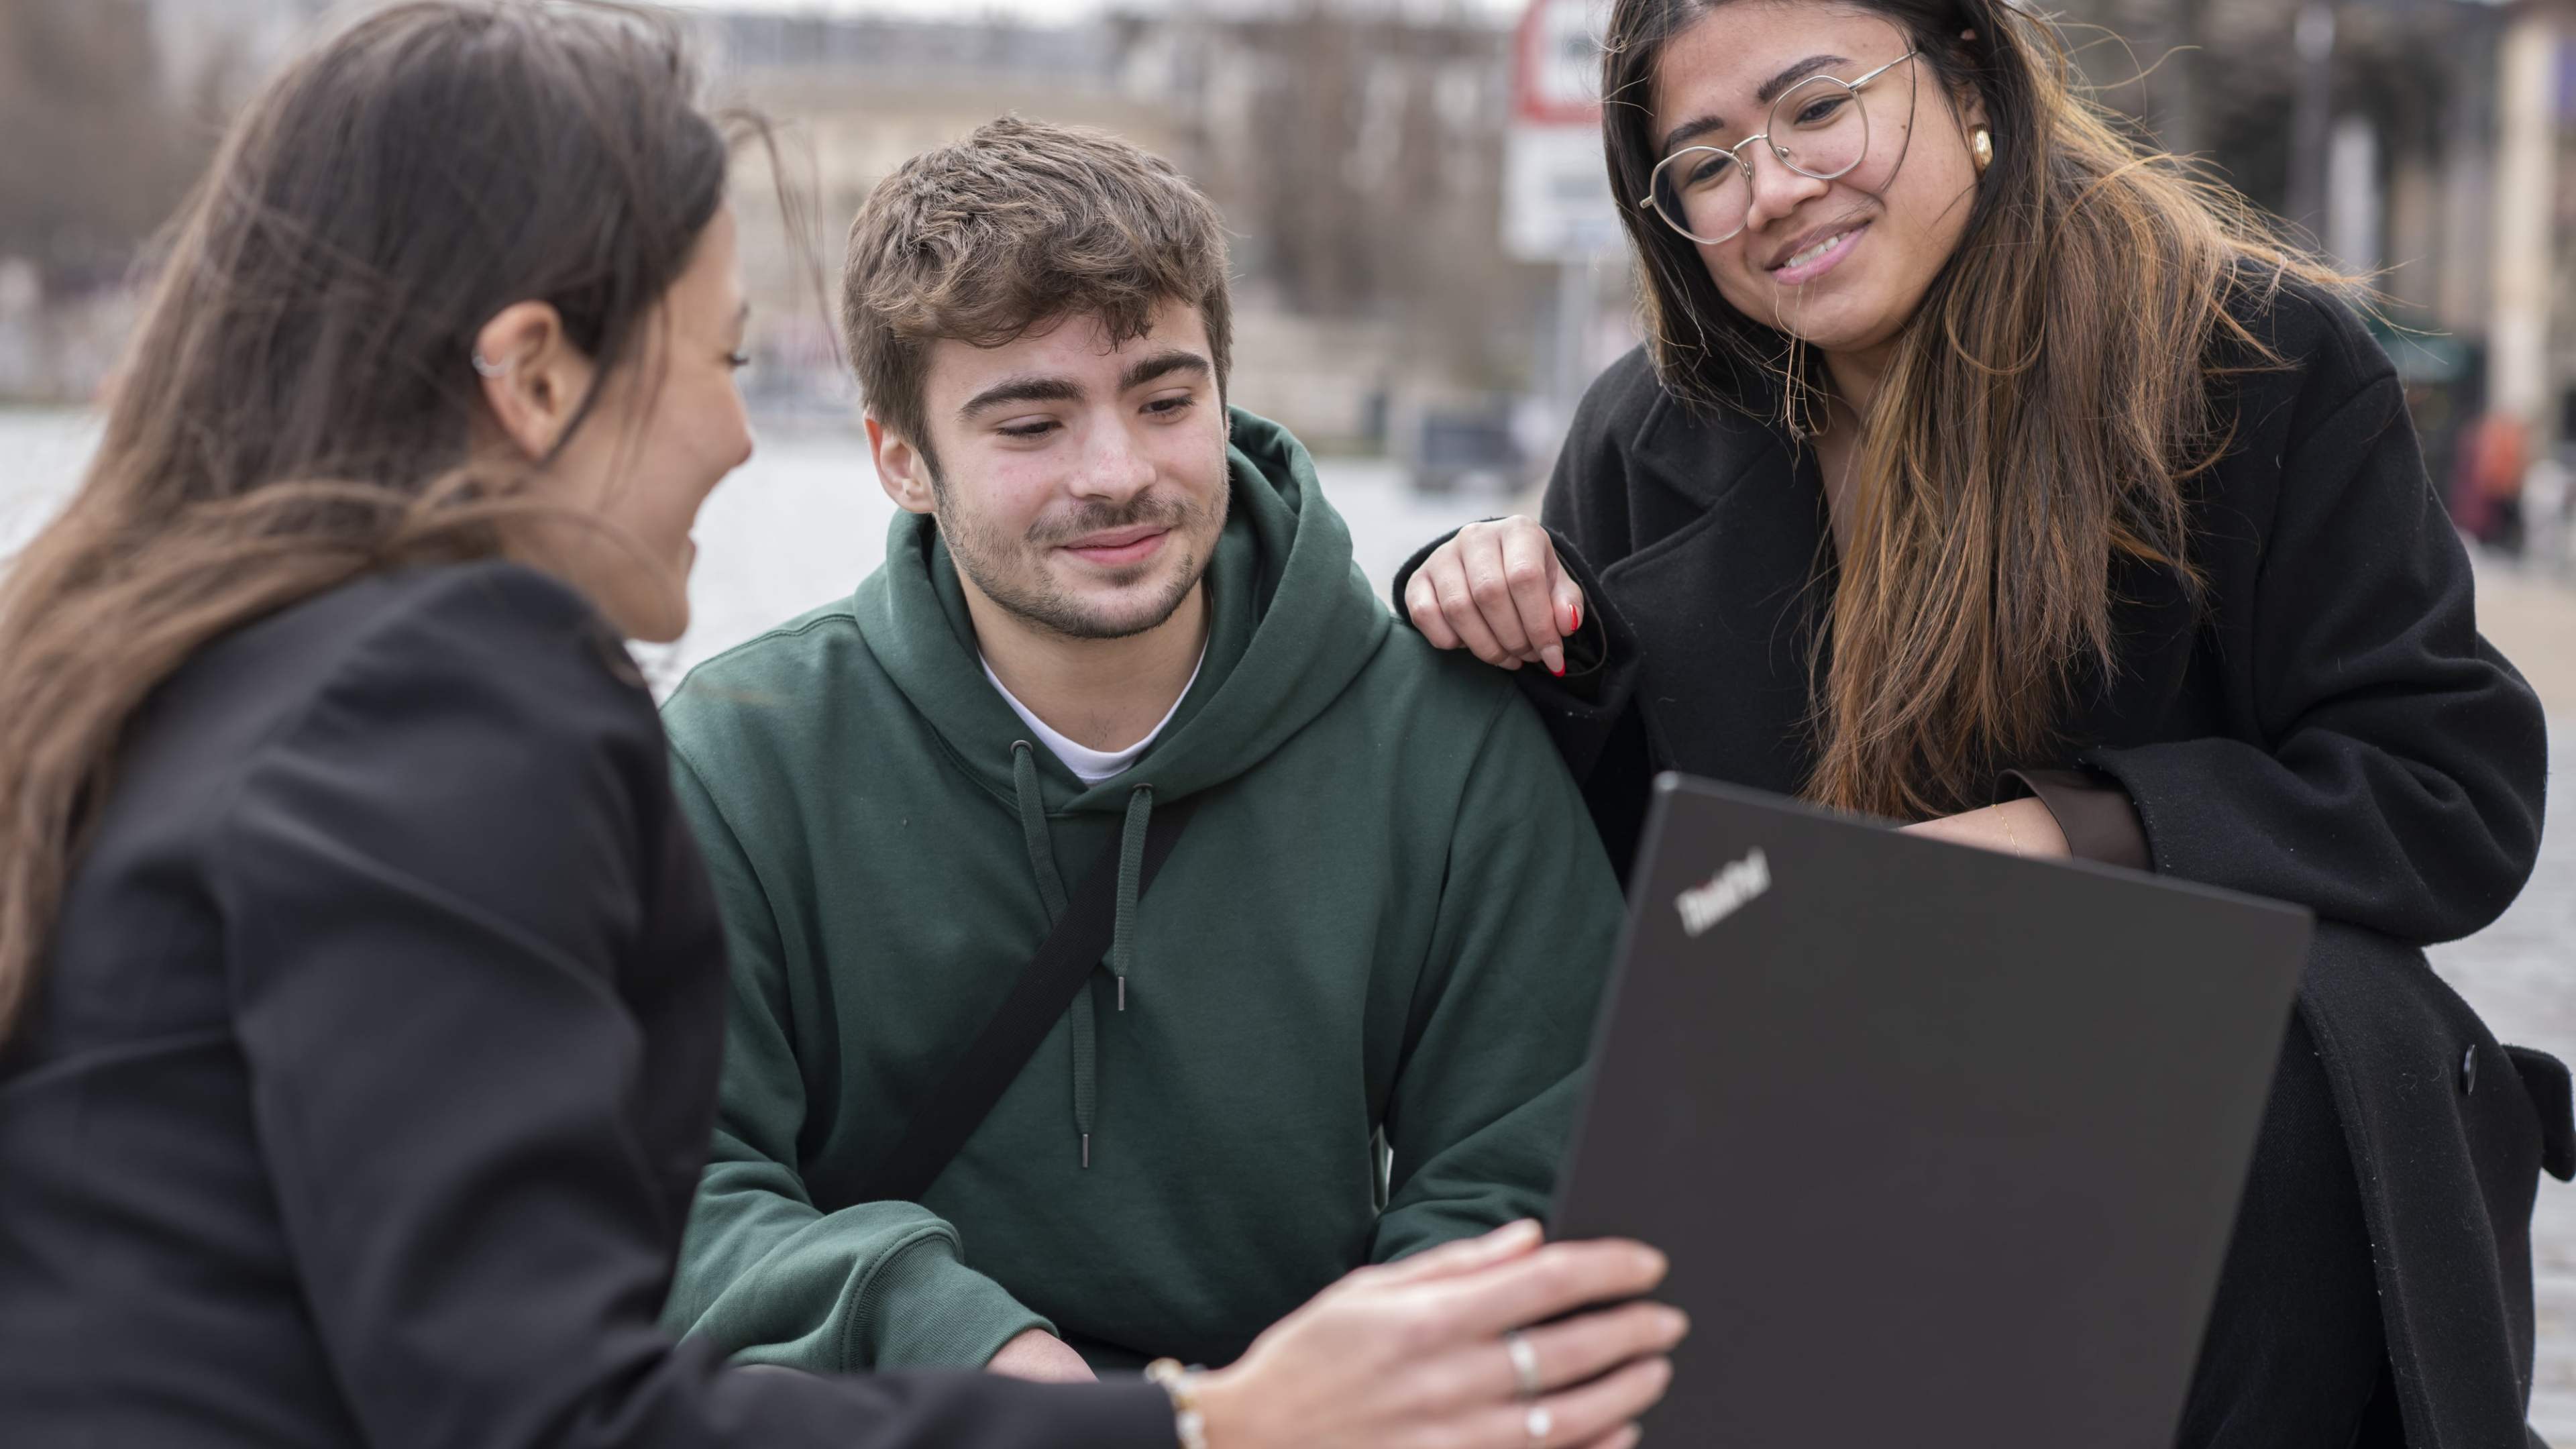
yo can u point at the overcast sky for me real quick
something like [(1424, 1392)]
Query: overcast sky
[(959, 9), (1030, 10)]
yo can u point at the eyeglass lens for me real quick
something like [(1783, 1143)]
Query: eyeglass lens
[(1819, 127)]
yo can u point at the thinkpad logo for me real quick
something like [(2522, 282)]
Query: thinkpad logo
[(1726, 893)]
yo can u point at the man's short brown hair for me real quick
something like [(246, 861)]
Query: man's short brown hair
[(1018, 226)]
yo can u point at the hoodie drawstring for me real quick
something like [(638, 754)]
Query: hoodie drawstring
[(1122, 948), (1131, 870), (1033, 828)]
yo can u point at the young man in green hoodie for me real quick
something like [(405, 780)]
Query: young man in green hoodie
[(1106, 594)]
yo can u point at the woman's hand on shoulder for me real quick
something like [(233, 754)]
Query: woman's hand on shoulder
[(1497, 590)]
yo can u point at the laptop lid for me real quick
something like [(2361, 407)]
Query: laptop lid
[(1945, 1145)]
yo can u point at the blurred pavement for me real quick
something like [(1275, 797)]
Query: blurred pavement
[(2520, 973)]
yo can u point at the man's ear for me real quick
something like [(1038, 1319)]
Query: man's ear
[(534, 379), (901, 468)]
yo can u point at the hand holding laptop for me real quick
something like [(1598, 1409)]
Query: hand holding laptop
[(1428, 1351)]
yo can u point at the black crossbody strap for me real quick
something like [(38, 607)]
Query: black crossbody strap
[(1053, 979)]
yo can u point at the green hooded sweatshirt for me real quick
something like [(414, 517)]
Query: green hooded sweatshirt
[(1390, 915)]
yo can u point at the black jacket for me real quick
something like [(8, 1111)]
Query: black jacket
[(372, 1073), (2330, 729)]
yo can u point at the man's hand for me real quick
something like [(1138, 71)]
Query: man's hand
[(1041, 1357)]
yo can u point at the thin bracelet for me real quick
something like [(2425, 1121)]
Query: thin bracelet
[(2012, 840), (1182, 1383)]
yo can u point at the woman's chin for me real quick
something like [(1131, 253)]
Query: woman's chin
[(1822, 322), (644, 614), (661, 625), (664, 617), (1836, 327)]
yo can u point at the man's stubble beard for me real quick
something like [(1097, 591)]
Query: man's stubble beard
[(1027, 593)]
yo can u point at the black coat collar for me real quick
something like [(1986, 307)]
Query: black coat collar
[(1727, 598)]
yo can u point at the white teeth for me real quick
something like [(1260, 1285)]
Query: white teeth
[(1813, 252)]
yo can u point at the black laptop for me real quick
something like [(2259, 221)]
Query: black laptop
[(1945, 1145)]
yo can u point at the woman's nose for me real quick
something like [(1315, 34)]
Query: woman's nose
[(1778, 188)]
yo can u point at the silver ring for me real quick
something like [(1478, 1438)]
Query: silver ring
[(1524, 1364), (489, 368), (1540, 1424)]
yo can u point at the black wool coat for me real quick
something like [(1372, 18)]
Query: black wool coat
[(2328, 728), (369, 1081)]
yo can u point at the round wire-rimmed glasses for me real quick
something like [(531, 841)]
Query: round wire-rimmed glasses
[(1818, 128)]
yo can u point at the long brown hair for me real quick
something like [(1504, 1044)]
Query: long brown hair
[(296, 406), (2041, 420)]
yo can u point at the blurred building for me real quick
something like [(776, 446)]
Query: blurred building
[(1355, 152), (851, 99), (2427, 144), (1355, 148), (220, 49), (110, 108)]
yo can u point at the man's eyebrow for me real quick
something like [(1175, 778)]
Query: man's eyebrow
[(1769, 91), (1020, 390), (1162, 364)]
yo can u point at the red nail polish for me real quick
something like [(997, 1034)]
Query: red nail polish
[(1558, 671), (1576, 611)]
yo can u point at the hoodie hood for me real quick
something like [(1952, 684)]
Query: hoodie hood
[(1291, 622), (1389, 916)]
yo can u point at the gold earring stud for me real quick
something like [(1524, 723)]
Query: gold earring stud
[(1982, 146)]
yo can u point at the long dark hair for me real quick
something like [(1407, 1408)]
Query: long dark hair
[(296, 407), (2044, 413)]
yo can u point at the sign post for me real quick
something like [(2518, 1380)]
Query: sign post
[(1557, 206)]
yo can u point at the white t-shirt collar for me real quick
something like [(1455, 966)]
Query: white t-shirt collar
[(1089, 765)]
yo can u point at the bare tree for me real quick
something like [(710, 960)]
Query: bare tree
[(1371, 187), (97, 155)]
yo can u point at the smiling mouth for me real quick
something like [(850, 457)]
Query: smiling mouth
[(1126, 546), (1813, 250)]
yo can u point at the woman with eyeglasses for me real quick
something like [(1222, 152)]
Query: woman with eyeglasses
[(1985, 473), (361, 988)]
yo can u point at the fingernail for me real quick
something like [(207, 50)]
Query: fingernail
[(1676, 1323), (1555, 658), (1574, 612)]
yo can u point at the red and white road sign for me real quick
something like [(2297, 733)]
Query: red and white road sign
[(1556, 72), (1556, 192)]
